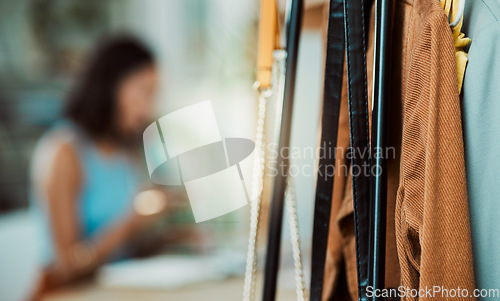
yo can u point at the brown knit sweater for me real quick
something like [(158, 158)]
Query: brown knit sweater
[(432, 216)]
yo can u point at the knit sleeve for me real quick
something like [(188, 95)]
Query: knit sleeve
[(432, 217)]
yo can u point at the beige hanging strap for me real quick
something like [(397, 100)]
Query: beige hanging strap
[(269, 38)]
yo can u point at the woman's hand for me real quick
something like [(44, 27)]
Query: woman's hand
[(148, 206)]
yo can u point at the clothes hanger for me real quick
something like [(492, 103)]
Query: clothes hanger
[(460, 13)]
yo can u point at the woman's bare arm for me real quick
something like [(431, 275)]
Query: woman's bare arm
[(74, 257)]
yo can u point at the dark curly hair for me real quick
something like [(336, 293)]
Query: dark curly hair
[(92, 102)]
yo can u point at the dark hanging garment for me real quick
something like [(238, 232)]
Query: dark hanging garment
[(340, 278), (358, 128), (334, 66)]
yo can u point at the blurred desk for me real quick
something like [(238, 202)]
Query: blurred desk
[(18, 272), (171, 277), (225, 290)]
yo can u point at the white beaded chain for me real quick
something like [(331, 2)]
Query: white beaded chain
[(256, 193), (257, 186), (293, 222)]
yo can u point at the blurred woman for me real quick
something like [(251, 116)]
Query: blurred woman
[(84, 171)]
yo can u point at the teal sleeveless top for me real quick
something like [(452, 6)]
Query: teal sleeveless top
[(109, 185)]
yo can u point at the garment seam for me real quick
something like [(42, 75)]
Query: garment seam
[(349, 65), (492, 13)]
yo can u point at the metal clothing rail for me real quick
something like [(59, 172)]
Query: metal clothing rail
[(293, 25), (379, 178)]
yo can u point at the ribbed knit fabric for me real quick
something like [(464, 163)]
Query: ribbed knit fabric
[(432, 218)]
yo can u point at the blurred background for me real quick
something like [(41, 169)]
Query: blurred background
[(206, 49)]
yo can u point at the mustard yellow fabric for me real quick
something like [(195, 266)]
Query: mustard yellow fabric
[(451, 9)]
